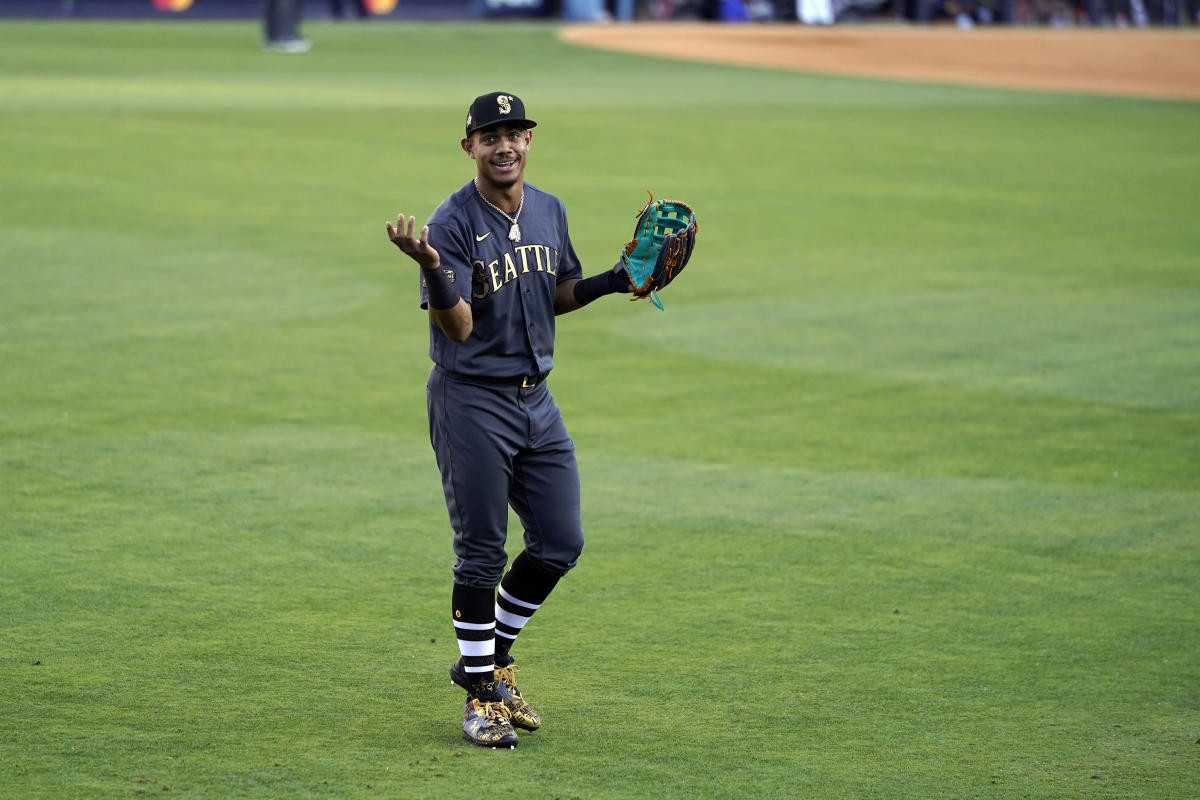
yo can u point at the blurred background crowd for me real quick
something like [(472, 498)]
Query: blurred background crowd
[(964, 13)]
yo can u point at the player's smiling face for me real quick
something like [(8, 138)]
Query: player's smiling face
[(499, 152)]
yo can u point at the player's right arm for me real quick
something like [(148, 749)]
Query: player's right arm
[(456, 322), (447, 310)]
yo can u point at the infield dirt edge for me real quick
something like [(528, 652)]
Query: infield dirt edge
[(1158, 64)]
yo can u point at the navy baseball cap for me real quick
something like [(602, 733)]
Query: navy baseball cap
[(490, 109)]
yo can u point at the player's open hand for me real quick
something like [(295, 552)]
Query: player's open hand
[(416, 247)]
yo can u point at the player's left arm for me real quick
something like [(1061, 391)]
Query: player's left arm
[(575, 293)]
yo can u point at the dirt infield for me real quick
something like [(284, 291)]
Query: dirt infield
[(1134, 63)]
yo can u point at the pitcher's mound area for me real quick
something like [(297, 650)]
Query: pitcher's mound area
[(1133, 63)]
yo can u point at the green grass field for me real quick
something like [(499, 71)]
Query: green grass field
[(899, 498)]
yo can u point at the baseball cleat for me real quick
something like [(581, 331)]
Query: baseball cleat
[(486, 724), (458, 675), (520, 712)]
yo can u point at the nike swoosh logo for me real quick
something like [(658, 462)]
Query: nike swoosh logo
[(481, 238)]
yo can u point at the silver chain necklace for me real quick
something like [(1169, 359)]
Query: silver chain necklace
[(514, 233)]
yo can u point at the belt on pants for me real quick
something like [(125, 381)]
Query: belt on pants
[(519, 381)]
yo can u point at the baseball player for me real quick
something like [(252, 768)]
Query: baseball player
[(281, 26), (496, 267)]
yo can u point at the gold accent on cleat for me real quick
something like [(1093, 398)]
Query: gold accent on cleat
[(487, 725), (520, 712)]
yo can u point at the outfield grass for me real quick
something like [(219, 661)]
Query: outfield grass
[(897, 499)]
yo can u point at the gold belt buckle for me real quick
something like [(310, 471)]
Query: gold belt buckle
[(526, 383)]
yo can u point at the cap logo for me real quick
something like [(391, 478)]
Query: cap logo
[(505, 103)]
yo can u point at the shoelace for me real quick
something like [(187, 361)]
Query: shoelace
[(508, 676), (493, 710)]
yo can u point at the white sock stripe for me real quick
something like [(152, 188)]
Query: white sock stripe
[(511, 620), (489, 668), (506, 635), (474, 626), (512, 599), (484, 648)]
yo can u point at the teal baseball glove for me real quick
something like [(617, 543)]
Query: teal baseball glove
[(662, 243)]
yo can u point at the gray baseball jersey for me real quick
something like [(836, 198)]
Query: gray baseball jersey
[(510, 285)]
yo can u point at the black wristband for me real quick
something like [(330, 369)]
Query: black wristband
[(607, 282), (441, 292)]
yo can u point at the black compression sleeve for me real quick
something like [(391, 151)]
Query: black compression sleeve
[(607, 282), (442, 294)]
